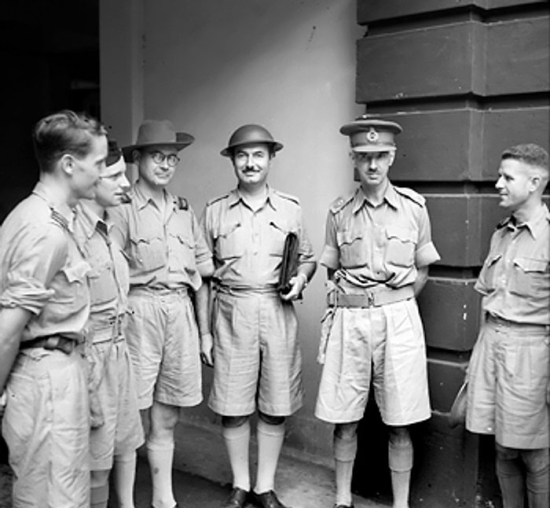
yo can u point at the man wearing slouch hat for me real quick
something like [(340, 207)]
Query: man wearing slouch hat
[(168, 303)]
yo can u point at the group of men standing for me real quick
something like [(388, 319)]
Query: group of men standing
[(111, 295)]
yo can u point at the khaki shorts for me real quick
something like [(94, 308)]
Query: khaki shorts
[(122, 431), (383, 344), (163, 340), (257, 359), (47, 428), (507, 380)]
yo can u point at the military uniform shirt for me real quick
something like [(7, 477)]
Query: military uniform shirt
[(515, 278), (370, 245), (42, 270), (248, 245), (109, 275), (164, 250)]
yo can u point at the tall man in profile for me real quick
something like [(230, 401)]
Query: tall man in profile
[(168, 258), (377, 251), (509, 371), (255, 354), (44, 309)]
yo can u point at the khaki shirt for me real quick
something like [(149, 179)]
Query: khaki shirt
[(164, 250), (109, 275), (515, 278), (42, 269), (248, 245), (371, 245)]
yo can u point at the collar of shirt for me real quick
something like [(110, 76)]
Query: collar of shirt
[(142, 200), (272, 199), (91, 221), (360, 199), (535, 226), (67, 218)]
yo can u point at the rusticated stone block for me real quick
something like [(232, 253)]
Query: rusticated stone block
[(427, 62), (464, 144), (450, 313)]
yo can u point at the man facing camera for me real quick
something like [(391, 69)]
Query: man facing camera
[(255, 353), (168, 302), (377, 251)]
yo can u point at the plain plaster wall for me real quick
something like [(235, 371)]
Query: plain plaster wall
[(211, 66)]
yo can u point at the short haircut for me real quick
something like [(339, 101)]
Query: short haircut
[(529, 153), (65, 132)]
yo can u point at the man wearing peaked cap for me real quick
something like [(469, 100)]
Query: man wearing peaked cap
[(168, 304), (377, 251), (255, 351), (116, 431)]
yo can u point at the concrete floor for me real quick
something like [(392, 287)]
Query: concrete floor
[(202, 477)]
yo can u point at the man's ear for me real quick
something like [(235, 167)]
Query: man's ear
[(392, 156), (136, 155), (535, 182), (67, 164)]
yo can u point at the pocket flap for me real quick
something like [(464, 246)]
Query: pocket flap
[(532, 264)]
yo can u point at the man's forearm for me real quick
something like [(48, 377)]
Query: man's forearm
[(202, 309), (12, 323), (421, 279)]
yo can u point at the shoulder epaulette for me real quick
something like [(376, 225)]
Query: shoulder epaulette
[(60, 220), (411, 194), (219, 198), (182, 203), (339, 203), (294, 199)]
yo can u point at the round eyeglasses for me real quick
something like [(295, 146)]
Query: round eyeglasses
[(159, 157)]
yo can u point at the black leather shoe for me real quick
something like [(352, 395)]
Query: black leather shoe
[(237, 499), (268, 500)]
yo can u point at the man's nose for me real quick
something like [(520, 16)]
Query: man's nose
[(125, 183)]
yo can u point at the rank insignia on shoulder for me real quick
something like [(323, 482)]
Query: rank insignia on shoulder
[(182, 203)]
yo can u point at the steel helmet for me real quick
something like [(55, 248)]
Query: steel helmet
[(250, 133)]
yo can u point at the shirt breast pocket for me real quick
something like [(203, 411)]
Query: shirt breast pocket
[(230, 242), (148, 254), (181, 251), (276, 236), (352, 247), (103, 286), (71, 290), (401, 246), (531, 276)]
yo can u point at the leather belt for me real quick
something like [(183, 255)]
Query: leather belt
[(51, 343), (525, 327), (370, 298)]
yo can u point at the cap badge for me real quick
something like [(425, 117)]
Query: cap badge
[(372, 135)]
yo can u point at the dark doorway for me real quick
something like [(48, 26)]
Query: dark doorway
[(49, 51)]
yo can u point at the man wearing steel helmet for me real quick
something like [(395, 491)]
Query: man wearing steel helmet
[(255, 354), (44, 310), (116, 427), (377, 251), (168, 258)]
